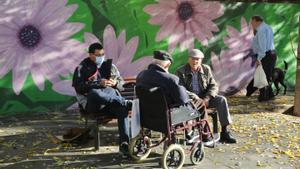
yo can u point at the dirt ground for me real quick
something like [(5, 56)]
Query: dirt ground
[(267, 139)]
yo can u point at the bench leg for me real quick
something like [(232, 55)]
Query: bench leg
[(86, 123), (97, 136)]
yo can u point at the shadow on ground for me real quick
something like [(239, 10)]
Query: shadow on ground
[(266, 139)]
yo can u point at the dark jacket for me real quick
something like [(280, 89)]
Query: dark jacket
[(208, 86), (156, 76), (87, 76)]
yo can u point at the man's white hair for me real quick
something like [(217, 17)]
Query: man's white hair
[(162, 63)]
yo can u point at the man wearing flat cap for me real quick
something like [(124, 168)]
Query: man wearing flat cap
[(157, 75), (176, 95), (198, 80)]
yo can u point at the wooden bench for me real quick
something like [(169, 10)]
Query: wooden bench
[(101, 119)]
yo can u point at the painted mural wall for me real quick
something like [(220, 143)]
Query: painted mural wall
[(41, 42)]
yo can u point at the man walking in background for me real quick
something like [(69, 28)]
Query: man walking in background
[(263, 48)]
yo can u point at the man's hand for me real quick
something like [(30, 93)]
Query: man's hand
[(206, 102), (108, 83), (198, 103), (258, 62), (194, 96), (112, 83)]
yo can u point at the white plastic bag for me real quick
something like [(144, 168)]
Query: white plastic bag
[(135, 118), (260, 79)]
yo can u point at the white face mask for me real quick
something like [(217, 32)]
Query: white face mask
[(100, 60)]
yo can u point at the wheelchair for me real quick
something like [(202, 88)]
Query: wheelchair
[(155, 115)]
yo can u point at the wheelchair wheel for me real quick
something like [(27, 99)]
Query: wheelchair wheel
[(197, 154), (173, 157), (139, 148)]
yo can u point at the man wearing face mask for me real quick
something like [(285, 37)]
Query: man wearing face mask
[(157, 75), (92, 82)]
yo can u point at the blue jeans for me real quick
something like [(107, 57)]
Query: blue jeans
[(106, 101)]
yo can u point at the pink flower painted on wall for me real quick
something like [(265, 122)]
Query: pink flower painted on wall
[(234, 68), (184, 20), (35, 39), (120, 52), (115, 48)]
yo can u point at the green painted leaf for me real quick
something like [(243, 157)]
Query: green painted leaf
[(132, 18), (81, 15), (98, 10), (12, 107)]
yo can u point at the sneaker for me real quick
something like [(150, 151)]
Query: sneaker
[(226, 137), (124, 150), (191, 137), (208, 141)]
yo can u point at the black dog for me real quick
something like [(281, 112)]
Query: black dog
[(278, 77)]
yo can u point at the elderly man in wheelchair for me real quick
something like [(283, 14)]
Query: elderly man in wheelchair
[(165, 107)]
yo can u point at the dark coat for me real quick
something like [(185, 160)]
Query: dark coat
[(87, 76), (156, 76), (207, 84)]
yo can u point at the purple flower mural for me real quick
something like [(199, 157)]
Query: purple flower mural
[(34, 38), (8, 8), (234, 68), (64, 87), (115, 48), (184, 20), (121, 52)]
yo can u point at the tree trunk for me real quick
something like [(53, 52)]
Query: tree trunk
[(297, 88)]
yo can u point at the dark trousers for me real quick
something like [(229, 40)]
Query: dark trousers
[(268, 64), (220, 103), (107, 102)]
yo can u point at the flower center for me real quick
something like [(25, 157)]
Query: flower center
[(29, 36), (185, 11)]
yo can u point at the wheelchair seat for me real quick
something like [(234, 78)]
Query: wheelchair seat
[(156, 114)]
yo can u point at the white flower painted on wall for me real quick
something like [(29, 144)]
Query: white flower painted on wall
[(35, 39), (234, 68), (184, 20)]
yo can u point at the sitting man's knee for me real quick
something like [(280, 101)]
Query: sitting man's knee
[(222, 98)]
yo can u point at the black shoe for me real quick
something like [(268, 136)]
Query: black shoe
[(128, 104), (272, 96), (124, 150), (261, 99), (226, 137)]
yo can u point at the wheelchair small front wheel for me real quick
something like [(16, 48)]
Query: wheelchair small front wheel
[(173, 157), (197, 154), (139, 148)]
